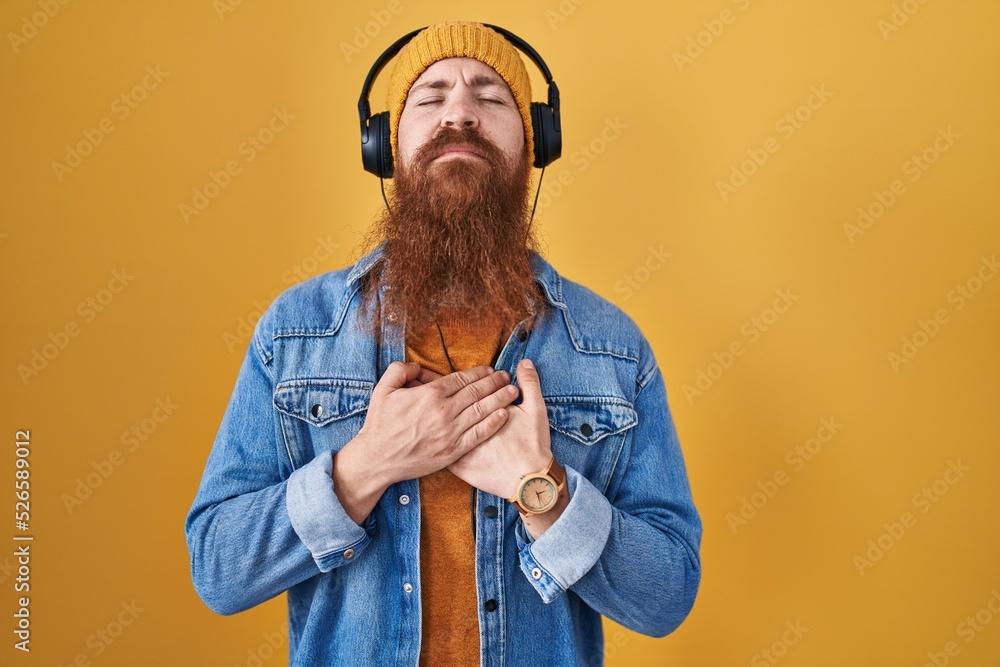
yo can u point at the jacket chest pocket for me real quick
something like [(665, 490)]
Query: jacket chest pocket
[(588, 433), (320, 414)]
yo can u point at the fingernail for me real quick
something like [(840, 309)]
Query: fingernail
[(528, 364)]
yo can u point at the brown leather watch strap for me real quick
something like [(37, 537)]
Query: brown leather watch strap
[(557, 473)]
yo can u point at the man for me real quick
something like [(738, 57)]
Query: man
[(446, 453)]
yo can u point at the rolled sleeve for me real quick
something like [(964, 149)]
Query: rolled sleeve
[(319, 519), (569, 547)]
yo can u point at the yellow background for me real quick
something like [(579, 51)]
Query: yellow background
[(652, 186)]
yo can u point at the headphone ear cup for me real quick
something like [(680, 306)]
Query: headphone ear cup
[(548, 139), (376, 153), (385, 144)]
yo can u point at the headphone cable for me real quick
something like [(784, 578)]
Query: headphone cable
[(381, 183), (540, 176)]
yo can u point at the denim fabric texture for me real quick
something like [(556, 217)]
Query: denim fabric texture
[(266, 518)]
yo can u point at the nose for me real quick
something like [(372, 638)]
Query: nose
[(460, 113)]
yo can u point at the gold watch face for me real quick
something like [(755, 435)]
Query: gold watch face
[(538, 494)]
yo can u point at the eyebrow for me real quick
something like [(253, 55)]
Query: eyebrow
[(478, 81)]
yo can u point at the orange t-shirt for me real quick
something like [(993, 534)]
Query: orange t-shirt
[(450, 627)]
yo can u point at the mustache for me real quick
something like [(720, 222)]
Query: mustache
[(449, 139)]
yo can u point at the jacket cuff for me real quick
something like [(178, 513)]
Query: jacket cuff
[(319, 519), (572, 545)]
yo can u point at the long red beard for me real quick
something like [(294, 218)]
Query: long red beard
[(458, 238)]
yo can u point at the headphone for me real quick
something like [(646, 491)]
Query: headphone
[(376, 139)]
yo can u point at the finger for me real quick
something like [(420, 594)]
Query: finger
[(531, 386), (427, 375), (480, 432), (396, 376), (480, 410), (459, 380), (464, 405), (479, 389)]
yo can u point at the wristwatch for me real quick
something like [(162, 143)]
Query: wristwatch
[(538, 492)]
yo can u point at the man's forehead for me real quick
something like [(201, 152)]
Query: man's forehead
[(443, 73)]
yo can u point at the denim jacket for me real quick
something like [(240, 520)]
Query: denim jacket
[(266, 519)]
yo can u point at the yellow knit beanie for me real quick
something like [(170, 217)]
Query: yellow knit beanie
[(453, 39)]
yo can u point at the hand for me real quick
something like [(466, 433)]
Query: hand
[(418, 422), (520, 446)]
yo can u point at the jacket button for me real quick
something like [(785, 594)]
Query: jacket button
[(349, 554), (536, 573), (490, 512), (317, 410), (522, 335), (586, 430), (408, 588), (491, 605), (404, 499)]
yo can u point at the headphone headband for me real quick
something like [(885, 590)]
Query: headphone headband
[(553, 96), (376, 149), (364, 110)]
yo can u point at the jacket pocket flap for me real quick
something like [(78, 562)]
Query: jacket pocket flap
[(320, 401), (588, 419)]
